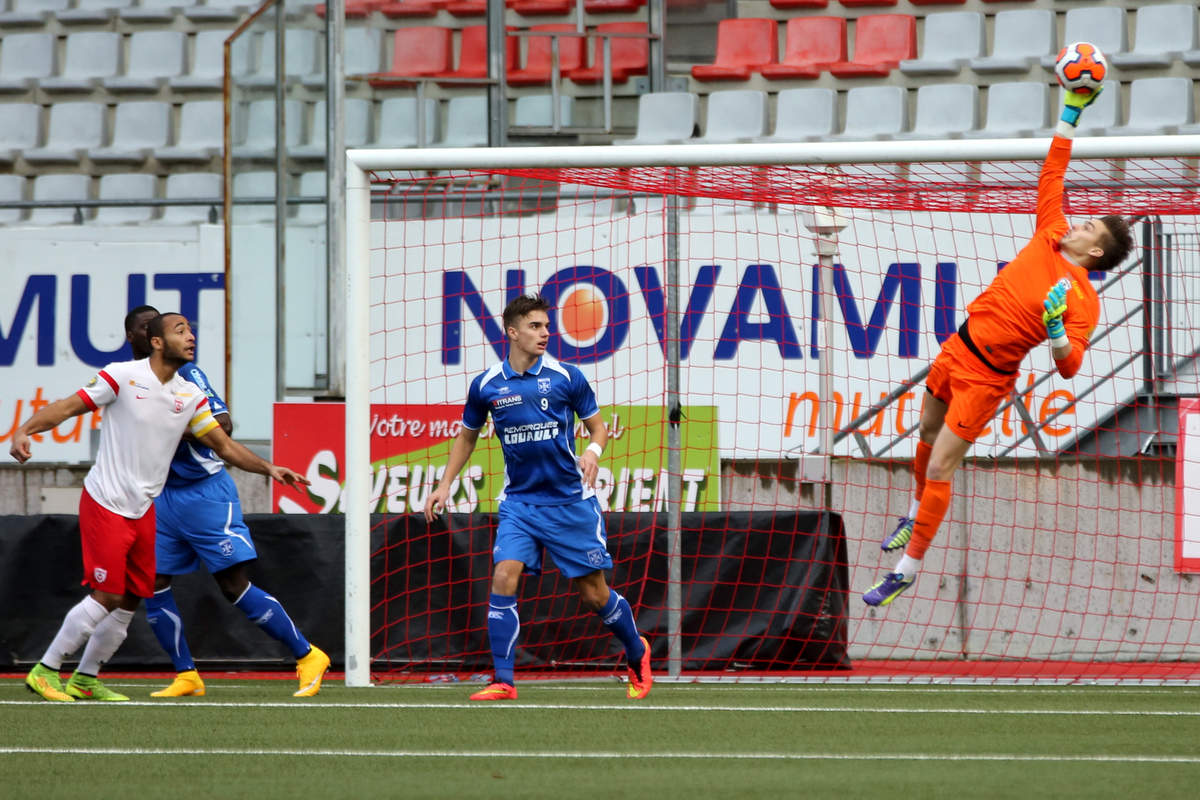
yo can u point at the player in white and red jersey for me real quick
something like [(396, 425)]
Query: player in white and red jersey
[(147, 409)]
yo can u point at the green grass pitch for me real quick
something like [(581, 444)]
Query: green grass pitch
[(585, 739)]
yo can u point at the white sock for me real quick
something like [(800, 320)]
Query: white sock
[(912, 508), (105, 641), (77, 627), (908, 566)]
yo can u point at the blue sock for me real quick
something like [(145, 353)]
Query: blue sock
[(503, 627), (167, 624), (267, 613), (618, 618)]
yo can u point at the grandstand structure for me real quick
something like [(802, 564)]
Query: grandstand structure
[(122, 117)]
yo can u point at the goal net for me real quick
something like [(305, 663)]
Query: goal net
[(761, 402)]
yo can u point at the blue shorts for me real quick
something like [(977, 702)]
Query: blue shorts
[(573, 533), (201, 521)]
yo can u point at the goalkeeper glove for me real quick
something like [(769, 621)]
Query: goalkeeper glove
[(1074, 103), (1055, 306)]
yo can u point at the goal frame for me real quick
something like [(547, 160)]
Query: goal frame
[(361, 163)]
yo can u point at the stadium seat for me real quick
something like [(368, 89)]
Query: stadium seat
[(192, 186), (208, 66), (473, 54), (151, 11), (362, 55), (881, 42), (139, 130), (88, 12), (1017, 108), (25, 59), (537, 111), (397, 122), (1019, 39), (254, 185), (31, 12), (357, 131), (944, 111), (543, 8), (300, 53), (409, 9), (218, 10), (470, 8), (354, 9), (665, 118), (1103, 26), (627, 56), (466, 123), (90, 56), (874, 112), (743, 46), (1164, 34), (612, 6), (200, 135), (154, 57), (1101, 116), (74, 128), (538, 55), (951, 39), (1157, 106), (788, 5), (20, 126), (417, 52), (860, 3), (59, 187), (12, 190), (812, 44), (259, 140), (734, 115), (804, 115), (125, 186)]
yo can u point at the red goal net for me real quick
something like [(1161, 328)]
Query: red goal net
[(690, 298)]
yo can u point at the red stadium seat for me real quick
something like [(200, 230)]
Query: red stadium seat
[(410, 8), (417, 52), (743, 46), (543, 8), (790, 4), (881, 42), (612, 6), (859, 3), (473, 54), (629, 56), (813, 43), (354, 8), (538, 56), (470, 8), (937, 2)]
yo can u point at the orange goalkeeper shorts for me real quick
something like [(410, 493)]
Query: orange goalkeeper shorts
[(971, 390)]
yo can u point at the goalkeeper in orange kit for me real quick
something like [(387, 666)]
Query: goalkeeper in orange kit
[(1041, 294)]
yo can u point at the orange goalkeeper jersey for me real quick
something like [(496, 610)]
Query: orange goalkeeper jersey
[(1005, 321)]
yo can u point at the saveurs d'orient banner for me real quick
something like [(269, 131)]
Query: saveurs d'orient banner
[(410, 445)]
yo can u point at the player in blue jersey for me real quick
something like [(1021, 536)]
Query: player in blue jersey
[(548, 501), (199, 519)]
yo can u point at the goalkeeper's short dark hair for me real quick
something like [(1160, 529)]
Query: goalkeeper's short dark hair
[(523, 305), (1116, 242), (133, 315)]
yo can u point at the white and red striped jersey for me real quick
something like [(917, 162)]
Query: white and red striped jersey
[(144, 419)]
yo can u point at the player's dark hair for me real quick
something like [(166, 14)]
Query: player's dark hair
[(133, 314), (1116, 242), (523, 305), (155, 327)]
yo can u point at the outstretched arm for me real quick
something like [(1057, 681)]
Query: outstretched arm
[(43, 420), (236, 453), (460, 453)]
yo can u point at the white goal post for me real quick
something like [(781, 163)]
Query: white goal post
[(362, 164)]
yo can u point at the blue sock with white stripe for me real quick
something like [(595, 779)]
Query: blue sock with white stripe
[(167, 624), (618, 618), (267, 613), (503, 627)]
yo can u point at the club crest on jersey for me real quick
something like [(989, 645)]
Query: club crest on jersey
[(178, 404), (100, 574), (543, 386)]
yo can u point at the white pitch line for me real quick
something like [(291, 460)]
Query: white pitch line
[(301, 705), (706, 756)]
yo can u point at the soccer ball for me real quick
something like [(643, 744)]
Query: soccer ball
[(1081, 68)]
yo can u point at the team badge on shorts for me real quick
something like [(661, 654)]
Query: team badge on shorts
[(543, 386), (226, 547), (100, 574), (596, 557)]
